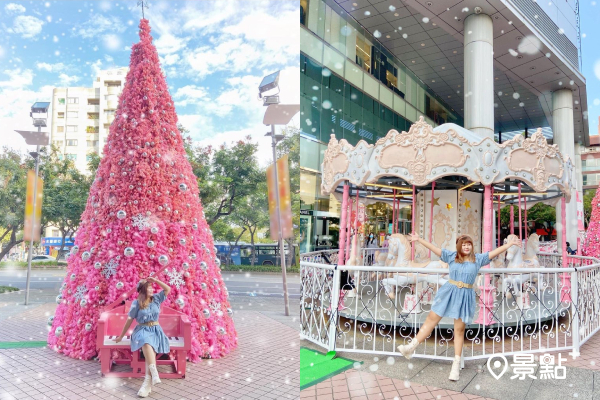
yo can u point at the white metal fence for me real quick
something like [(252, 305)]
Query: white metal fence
[(364, 309)]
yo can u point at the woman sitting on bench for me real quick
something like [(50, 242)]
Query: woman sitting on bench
[(147, 335)]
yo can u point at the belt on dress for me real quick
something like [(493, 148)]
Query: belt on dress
[(460, 284), (151, 323)]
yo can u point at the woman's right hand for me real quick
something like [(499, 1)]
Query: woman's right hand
[(414, 237), (117, 340)]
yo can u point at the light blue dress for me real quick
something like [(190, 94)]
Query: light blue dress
[(153, 335), (452, 301)]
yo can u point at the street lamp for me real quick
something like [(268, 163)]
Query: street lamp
[(277, 114), (39, 115)]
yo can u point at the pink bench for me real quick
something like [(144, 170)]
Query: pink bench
[(175, 324)]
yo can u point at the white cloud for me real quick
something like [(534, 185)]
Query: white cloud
[(112, 42), (13, 8), (50, 67), (190, 94), (168, 43), (98, 25), (17, 79), (275, 33), (66, 80), (208, 17), (597, 69), (26, 26), (15, 104), (170, 59)]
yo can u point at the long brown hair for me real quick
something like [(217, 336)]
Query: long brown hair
[(142, 289), (460, 257)]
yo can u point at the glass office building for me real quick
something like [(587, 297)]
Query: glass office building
[(353, 87)]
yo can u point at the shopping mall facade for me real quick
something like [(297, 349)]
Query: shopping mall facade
[(497, 67)]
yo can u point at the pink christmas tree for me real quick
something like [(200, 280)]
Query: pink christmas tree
[(143, 213), (591, 246)]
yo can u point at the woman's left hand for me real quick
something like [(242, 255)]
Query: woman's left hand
[(515, 242), (152, 279)]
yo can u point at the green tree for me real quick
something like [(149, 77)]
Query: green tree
[(65, 194), (13, 187), (252, 213), (225, 175), (541, 213)]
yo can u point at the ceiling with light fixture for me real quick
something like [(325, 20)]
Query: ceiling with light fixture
[(427, 36)]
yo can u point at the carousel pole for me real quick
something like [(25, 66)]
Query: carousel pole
[(520, 220), (486, 300), (356, 219), (491, 244), (525, 223), (349, 228), (414, 213), (498, 227), (394, 213), (512, 220), (431, 217), (342, 241), (565, 291)]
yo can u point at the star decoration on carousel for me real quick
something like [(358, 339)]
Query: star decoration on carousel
[(435, 201), (449, 206), (467, 204)]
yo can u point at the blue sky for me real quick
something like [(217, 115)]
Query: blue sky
[(589, 12), (214, 53)]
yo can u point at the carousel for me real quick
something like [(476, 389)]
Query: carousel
[(455, 183)]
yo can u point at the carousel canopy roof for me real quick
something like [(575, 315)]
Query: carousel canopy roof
[(424, 154)]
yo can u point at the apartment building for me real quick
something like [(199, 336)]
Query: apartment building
[(81, 116)]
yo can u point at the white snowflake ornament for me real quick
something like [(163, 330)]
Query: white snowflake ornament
[(175, 278), (80, 293), (110, 268), (140, 221)]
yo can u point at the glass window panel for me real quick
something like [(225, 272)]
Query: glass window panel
[(327, 31), (421, 99), (309, 154), (353, 74), (371, 86), (386, 97), (310, 45), (333, 60), (411, 113), (308, 190), (399, 105)]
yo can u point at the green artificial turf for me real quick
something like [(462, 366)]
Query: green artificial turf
[(316, 367), (22, 345)]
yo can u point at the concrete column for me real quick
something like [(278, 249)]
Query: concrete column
[(479, 74), (563, 129)]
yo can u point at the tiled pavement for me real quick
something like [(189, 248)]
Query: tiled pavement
[(264, 366), (361, 385), (395, 378)]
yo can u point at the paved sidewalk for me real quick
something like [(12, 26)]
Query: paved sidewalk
[(264, 366), (385, 377)]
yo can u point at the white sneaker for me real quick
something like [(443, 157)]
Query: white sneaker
[(455, 371), (407, 350), (154, 372), (145, 389)]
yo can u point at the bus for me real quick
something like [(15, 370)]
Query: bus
[(264, 254)]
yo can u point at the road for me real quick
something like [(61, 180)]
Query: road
[(238, 283)]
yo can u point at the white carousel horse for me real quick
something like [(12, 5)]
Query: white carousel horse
[(514, 256), (399, 255)]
